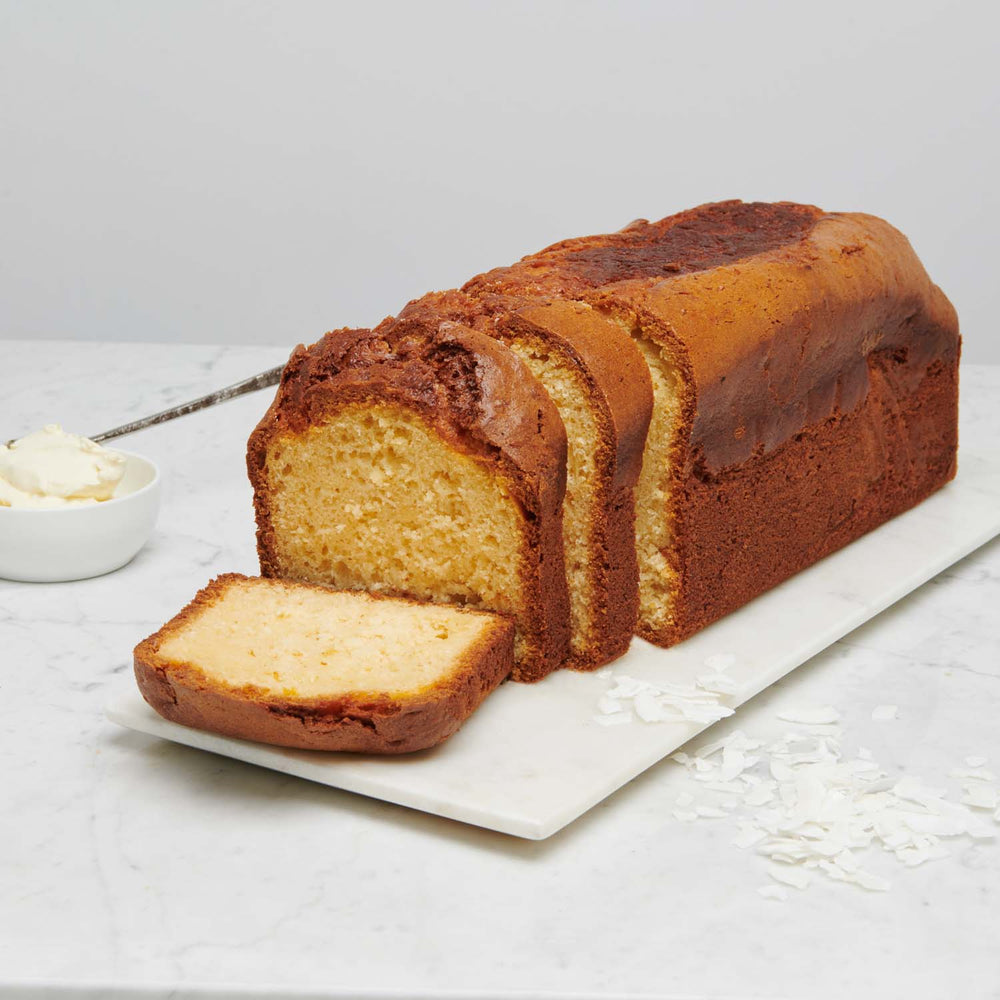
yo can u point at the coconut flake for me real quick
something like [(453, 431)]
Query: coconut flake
[(773, 892), (798, 878), (717, 684), (977, 773), (607, 705), (719, 662), (799, 803), (980, 796), (874, 883), (822, 716)]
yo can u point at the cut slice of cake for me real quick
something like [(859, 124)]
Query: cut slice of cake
[(300, 665), (596, 376), (422, 462)]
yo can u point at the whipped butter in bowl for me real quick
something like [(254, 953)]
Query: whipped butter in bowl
[(71, 509), (51, 468)]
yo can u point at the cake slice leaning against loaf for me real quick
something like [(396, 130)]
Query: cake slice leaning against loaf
[(300, 665), (597, 377), (425, 462)]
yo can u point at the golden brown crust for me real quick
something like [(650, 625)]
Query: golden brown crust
[(754, 525), (779, 342), (781, 320), (358, 723), (699, 239), (769, 310), (620, 395), (477, 396)]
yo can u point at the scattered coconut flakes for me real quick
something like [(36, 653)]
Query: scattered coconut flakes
[(976, 761), (773, 892), (884, 713), (823, 716), (665, 702), (812, 810), (980, 796)]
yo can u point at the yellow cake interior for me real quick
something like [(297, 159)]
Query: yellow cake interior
[(404, 512), (567, 388), (299, 642), (654, 527)]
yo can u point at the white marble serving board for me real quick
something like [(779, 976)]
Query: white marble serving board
[(534, 758)]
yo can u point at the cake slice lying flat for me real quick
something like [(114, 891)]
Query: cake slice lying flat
[(300, 665)]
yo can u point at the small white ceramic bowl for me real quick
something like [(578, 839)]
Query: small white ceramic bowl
[(52, 544)]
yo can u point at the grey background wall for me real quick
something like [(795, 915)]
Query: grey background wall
[(261, 172)]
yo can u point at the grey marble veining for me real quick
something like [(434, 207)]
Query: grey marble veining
[(134, 863)]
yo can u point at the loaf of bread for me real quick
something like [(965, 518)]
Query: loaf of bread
[(805, 375), (299, 665), (424, 461), (599, 382)]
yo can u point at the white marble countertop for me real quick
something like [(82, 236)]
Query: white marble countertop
[(132, 867)]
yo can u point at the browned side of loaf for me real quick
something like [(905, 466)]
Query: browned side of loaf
[(621, 397), (819, 380), (829, 484), (378, 724), (483, 401)]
